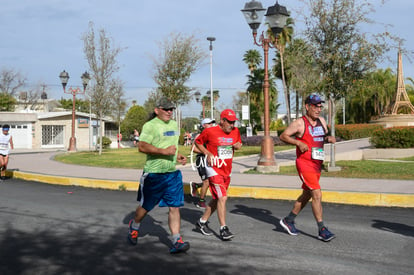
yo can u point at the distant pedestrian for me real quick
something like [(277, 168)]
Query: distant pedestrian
[(136, 137), (5, 140), (310, 134), (201, 168), (161, 182), (218, 144)]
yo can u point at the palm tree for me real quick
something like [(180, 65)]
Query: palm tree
[(252, 58), (280, 42), (255, 90)]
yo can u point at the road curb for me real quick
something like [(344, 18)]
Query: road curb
[(341, 197)]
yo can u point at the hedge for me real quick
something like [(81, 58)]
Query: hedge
[(355, 131), (396, 137)]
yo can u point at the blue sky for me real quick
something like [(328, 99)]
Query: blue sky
[(43, 37)]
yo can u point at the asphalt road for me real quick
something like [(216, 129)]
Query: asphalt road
[(50, 229)]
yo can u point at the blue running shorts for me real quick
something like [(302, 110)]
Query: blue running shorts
[(163, 188)]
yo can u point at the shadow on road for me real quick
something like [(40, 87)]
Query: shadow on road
[(394, 227)]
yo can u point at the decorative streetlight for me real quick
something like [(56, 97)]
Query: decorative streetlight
[(64, 78), (211, 39), (276, 17)]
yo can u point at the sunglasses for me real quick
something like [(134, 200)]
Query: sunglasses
[(167, 110), (228, 121)]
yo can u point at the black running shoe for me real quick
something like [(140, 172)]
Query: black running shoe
[(204, 229), (179, 246), (225, 234)]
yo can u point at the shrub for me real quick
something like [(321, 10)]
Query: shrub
[(106, 142), (354, 131), (396, 137)]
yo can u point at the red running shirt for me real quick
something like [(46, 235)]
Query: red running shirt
[(220, 145), (313, 136)]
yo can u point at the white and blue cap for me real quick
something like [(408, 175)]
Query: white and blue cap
[(207, 121)]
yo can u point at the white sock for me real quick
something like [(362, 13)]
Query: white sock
[(136, 225)]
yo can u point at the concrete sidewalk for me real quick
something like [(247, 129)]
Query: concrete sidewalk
[(40, 166)]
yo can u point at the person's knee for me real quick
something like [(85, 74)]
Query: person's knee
[(316, 195), (222, 199)]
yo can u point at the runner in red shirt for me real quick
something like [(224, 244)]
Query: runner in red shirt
[(310, 134), (218, 144)]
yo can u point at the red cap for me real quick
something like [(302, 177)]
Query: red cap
[(228, 114)]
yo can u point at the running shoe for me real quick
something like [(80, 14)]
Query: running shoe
[(193, 189), (201, 203), (204, 229), (179, 246), (289, 227), (325, 235), (225, 234), (132, 234)]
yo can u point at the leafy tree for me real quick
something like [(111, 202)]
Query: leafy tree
[(342, 52), (135, 118), (151, 101), (206, 101), (7, 102), (101, 56), (189, 122), (118, 104), (80, 105), (301, 73), (255, 89), (253, 59), (179, 58), (281, 42), (371, 96), (11, 82)]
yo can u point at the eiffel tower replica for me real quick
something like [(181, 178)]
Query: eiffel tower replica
[(401, 99)]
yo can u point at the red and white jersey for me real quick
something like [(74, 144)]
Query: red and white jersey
[(313, 136), (220, 145)]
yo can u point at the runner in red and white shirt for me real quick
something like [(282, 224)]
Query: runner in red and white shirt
[(218, 144), (309, 134)]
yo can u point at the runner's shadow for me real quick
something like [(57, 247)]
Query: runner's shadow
[(394, 227), (150, 226), (259, 214)]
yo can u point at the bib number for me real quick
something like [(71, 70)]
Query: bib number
[(225, 152), (318, 153)]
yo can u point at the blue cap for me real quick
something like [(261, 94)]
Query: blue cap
[(314, 99)]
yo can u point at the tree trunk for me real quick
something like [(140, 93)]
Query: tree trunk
[(287, 100)]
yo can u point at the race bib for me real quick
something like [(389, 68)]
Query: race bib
[(225, 152), (4, 146), (318, 153)]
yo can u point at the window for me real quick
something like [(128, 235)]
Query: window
[(52, 134)]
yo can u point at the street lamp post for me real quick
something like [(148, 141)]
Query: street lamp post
[(276, 17), (211, 39), (64, 77)]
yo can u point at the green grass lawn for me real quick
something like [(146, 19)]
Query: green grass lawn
[(131, 158)]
